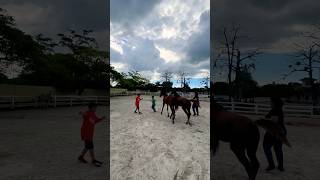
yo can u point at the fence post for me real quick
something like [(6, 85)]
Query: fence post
[(256, 108), (312, 109), (232, 105), (12, 102), (71, 101), (55, 101), (96, 99)]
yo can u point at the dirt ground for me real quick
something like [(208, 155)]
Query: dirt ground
[(150, 147), (301, 162), (45, 144)]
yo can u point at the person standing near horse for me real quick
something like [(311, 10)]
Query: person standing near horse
[(138, 99), (153, 106), (271, 141), (195, 104)]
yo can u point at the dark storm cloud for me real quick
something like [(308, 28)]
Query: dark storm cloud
[(126, 12), (52, 17), (267, 22), (199, 44)]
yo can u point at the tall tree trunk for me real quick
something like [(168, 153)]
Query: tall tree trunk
[(237, 87)]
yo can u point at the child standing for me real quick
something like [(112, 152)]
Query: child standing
[(138, 99), (153, 100), (87, 132)]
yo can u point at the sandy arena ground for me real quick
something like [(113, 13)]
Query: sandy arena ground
[(45, 144), (302, 161), (150, 147)]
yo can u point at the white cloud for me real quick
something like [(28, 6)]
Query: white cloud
[(120, 67), (168, 55), (159, 39), (115, 45)]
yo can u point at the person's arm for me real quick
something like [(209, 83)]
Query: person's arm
[(96, 119)]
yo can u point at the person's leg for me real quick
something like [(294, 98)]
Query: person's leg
[(279, 154), (83, 153), (267, 145), (194, 111), (135, 111), (197, 109), (92, 155)]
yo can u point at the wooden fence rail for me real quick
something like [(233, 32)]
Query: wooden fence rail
[(262, 109), (12, 102)]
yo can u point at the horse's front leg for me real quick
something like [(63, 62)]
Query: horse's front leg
[(168, 111), (173, 114), (162, 107)]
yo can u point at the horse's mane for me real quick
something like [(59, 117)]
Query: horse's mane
[(175, 94)]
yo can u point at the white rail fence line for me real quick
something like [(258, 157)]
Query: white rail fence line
[(263, 109), (13, 102), (132, 93)]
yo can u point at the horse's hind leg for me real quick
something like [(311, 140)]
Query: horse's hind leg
[(254, 163), (168, 111), (252, 150), (188, 114), (173, 113), (239, 151)]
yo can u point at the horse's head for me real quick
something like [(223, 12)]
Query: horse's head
[(163, 92), (175, 94)]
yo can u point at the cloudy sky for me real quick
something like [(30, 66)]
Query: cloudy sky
[(272, 26), (50, 17), (154, 36)]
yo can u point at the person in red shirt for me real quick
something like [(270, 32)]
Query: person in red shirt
[(138, 99), (87, 132)]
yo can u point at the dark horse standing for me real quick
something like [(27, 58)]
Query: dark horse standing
[(242, 134), (167, 100), (184, 103)]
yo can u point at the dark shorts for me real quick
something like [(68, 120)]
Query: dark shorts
[(88, 144)]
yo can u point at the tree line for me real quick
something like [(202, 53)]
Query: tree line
[(134, 80), (238, 59), (72, 61)]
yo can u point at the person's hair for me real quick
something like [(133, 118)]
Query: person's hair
[(138, 94), (92, 105), (152, 96), (196, 94)]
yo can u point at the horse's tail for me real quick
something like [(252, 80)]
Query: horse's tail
[(274, 129)]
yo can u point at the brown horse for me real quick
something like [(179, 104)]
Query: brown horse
[(242, 134), (184, 103), (167, 100)]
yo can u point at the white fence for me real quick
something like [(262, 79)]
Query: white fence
[(262, 109), (132, 93), (13, 102)]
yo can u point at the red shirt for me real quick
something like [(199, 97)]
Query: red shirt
[(87, 128), (138, 99)]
